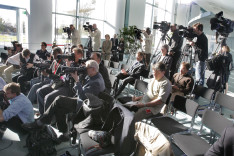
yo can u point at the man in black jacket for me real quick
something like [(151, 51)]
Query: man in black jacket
[(224, 145), (201, 52), (102, 70), (129, 75), (175, 43)]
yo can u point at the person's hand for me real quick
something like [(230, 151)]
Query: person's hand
[(123, 71), (75, 76), (191, 43), (139, 105), (175, 87), (29, 65), (134, 98)]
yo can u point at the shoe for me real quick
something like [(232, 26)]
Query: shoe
[(64, 137), (31, 126)]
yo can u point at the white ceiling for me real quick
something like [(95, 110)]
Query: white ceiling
[(214, 6)]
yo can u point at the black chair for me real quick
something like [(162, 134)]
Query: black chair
[(192, 144), (140, 87), (168, 125)]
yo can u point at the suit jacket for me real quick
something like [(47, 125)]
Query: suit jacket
[(115, 43), (224, 146), (167, 60), (136, 70), (183, 82), (106, 46)]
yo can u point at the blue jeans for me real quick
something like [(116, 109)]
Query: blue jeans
[(200, 72)]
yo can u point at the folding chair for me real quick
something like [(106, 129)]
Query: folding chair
[(192, 144), (225, 101), (107, 63), (167, 125), (140, 87)]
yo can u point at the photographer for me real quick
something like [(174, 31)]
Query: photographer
[(19, 111), (106, 48), (148, 44), (96, 34), (102, 70), (47, 74), (62, 105), (11, 65), (201, 52), (175, 44), (43, 53), (61, 86), (75, 35), (26, 60)]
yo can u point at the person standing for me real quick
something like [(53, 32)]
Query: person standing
[(96, 34), (175, 44), (106, 48), (75, 35), (201, 52), (115, 43), (148, 45)]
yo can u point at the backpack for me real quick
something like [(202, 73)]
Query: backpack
[(41, 142)]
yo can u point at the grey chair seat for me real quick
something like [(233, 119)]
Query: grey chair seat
[(168, 125), (191, 144), (124, 100)]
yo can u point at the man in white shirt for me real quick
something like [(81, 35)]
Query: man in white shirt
[(148, 44), (96, 34)]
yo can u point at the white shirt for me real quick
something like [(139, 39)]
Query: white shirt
[(15, 59)]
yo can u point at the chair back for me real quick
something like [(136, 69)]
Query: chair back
[(107, 63), (140, 85), (216, 122), (116, 65), (224, 100), (204, 92), (185, 105)]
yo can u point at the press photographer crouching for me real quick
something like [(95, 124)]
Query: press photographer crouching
[(26, 60), (63, 84), (62, 105), (47, 74), (19, 111), (221, 67)]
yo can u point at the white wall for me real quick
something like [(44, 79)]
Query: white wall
[(40, 23), (137, 13)]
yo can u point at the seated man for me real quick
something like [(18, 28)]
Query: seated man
[(182, 82), (129, 75), (32, 96), (102, 70), (63, 105), (159, 88), (164, 58), (19, 111)]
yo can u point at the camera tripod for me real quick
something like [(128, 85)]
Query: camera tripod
[(222, 43), (162, 40), (89, 47), (67, 46)]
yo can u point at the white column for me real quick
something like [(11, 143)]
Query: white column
[(40, 23)]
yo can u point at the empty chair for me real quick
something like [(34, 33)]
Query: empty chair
[(140, 86), (192, 144), (224, 100), (168, 125)]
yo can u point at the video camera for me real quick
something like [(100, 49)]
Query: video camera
[(222, 25), (137, 33), (187, 32), (11, 48), (68, 31), (70, 57), (79, 70), (88, 27), (43, 65), (164, 26)]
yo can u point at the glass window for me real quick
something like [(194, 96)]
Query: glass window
[(148, 15), (8, 29), (65, 7)]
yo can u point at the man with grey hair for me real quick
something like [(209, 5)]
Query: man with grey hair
[(62, 105), (159, 88)]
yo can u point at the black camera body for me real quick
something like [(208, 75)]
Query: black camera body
[(79, 70), (70, 57), (88, 27), (42, 66), (222, 25), (68, 31), (137, 32), (164, 26), (11, 48), (187, 32)]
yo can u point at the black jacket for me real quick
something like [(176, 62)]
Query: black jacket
[(103, 71), (167, 60), (201, 47), (135, 70)]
